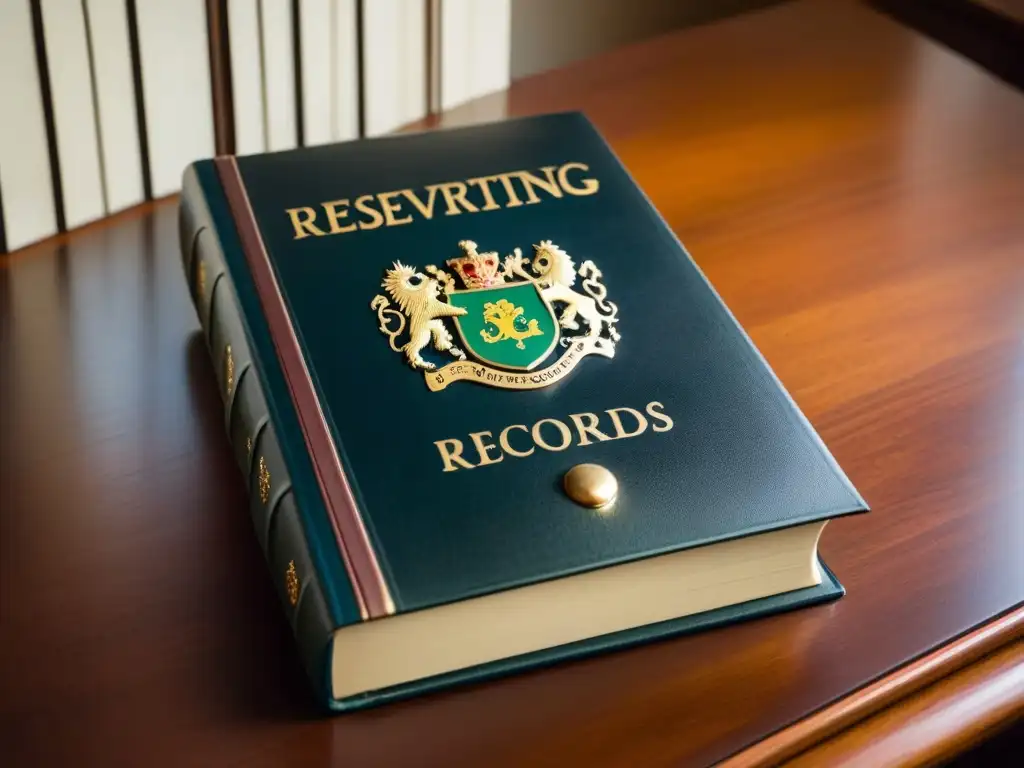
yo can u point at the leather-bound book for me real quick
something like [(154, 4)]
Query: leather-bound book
[(491, 414)]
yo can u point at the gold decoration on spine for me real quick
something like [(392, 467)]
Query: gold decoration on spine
[(292, 583), (229, 370), (264, 481), (201, 279)]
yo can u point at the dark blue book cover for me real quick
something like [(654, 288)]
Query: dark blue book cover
[(418, 337)]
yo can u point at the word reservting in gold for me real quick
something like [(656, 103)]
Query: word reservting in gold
[(580, 429), (401, 206)]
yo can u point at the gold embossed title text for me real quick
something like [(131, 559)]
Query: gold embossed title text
[(449, 198)]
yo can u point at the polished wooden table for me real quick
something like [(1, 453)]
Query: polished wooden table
[(856, 194)]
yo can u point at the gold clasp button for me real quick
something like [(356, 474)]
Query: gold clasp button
[(590, 485)]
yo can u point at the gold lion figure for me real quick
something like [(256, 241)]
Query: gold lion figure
[(416, 295), (507, 318)]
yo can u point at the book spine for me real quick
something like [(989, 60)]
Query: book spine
[(272, 502), (28, 211), (279, 75), (74, 108), (245, 46), (120, 153), (174, 62)]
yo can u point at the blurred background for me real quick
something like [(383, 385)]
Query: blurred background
[(106, 101)]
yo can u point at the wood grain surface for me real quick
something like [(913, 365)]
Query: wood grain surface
[(871, 714), (853, 191), (946, 718)]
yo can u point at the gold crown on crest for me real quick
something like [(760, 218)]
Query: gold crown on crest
[(477, 270)]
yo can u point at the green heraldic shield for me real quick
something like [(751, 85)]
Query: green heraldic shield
[(510, 314), (511, 326)]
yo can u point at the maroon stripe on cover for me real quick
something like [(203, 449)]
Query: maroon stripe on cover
[(368, 584)]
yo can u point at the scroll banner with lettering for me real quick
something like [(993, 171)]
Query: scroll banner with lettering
[(494, 377)]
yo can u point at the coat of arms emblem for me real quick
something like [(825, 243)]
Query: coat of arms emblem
[(510, 315)]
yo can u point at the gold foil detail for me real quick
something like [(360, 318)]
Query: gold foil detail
[(229, 370), (292, 584), (477, 270), (417, 297), (264, 481), (502, 379), (517, 441), (201, 278), (504, 315), (584, 321)]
